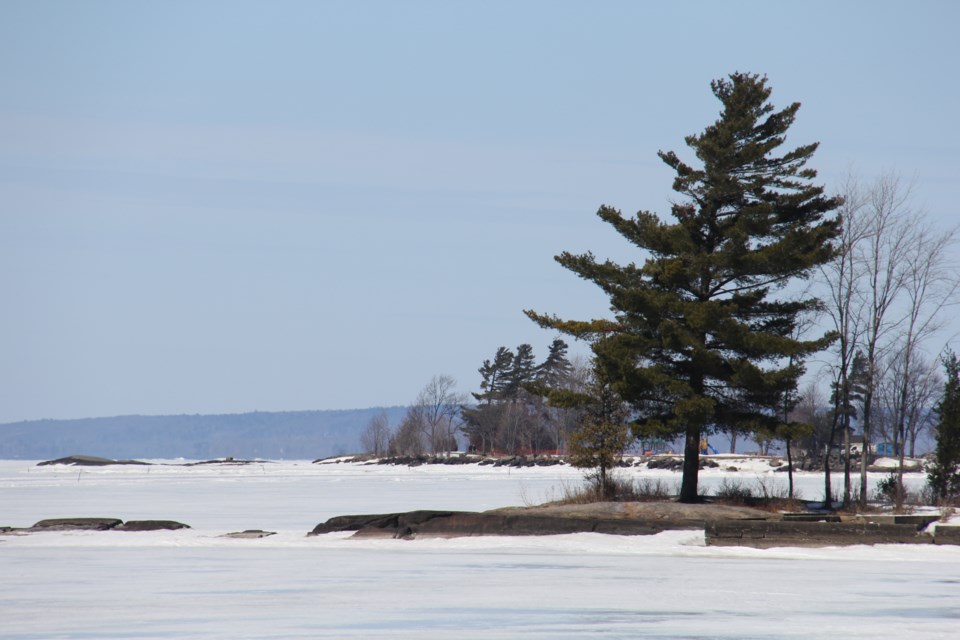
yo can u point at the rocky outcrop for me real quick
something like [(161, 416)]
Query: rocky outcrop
[(394, 525), (464, 524), (447, 524), (77, 524), (608, 518), (484, 524), (724, 525), (95, 524), (151, 525), (249, 534), (94, 461), (674, 463), (88, 461), (225, 461)]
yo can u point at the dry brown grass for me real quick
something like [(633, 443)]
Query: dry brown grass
[(623, 490), (762, 494)]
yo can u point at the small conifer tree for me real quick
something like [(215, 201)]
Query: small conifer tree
[(602, 433), (944, 474)]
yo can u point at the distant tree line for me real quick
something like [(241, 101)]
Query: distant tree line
[(510, 414)]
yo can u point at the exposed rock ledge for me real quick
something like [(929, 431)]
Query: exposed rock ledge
[(617, 518), (88, 461), (96, 524), (723, 525), (77, 460)]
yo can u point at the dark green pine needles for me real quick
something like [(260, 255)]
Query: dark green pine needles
[(704, 332), (944, 474)]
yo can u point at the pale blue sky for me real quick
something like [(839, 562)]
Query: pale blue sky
[(228, 206)]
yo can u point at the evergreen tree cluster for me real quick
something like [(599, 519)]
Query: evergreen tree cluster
[(944, 474), (510, 414)]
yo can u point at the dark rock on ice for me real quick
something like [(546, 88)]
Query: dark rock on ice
[(249, 534), (397, 525), (227, 460), (88, 461), (151, 525), (77, 524)]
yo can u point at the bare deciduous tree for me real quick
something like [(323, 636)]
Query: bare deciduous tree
[(906, 396), (888, 286), (438, 407), (376, 437), (886, 252), (409, 439), (845, 283), (930, 284)]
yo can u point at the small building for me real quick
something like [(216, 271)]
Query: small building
[(878, 449), (857, 445), (886, 449)]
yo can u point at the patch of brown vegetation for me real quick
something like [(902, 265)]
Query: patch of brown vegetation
[(659, 510)]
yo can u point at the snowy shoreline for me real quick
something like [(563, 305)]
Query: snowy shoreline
[(194, 583), (296, 495)]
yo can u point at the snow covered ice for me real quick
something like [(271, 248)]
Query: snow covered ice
[(194, 584)]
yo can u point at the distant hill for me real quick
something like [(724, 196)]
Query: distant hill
[(270, 435)]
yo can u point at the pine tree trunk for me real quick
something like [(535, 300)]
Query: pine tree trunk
[(867, 414), (789, 469), (846, 460), (691, 465), (899, 440), (733, 441), (827, 489), (863, 466), (901, 493), (835, 421)]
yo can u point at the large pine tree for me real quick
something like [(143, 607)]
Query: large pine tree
[(700, 338)]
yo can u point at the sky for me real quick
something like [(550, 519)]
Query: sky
[(219, 207)]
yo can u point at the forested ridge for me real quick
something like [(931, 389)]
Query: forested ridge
[(260, 434)]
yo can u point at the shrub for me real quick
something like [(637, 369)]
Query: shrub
[(653, 489), (733, 491), (887, 488), (619, 489), (770, 489)]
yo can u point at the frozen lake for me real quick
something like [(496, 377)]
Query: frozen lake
[(194, 584)]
